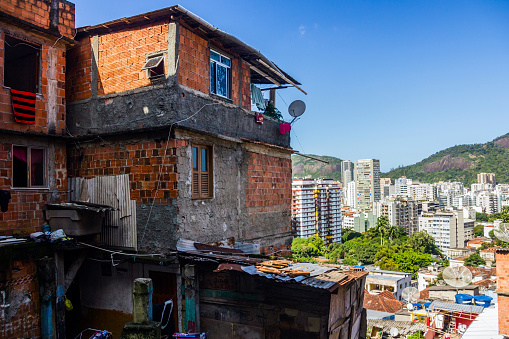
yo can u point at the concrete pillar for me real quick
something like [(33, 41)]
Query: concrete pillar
[(142, 300), (142, 326)]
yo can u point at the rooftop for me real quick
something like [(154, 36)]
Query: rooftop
[(382, 302)]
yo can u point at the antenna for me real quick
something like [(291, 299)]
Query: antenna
[(458, 276), (410, 294), (296, 109), (503, 232), (394, 332)]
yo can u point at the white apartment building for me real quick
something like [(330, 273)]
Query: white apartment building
[(422, 192), (395, 282), (350, 194), (449, 229), (367, 183), (316, 209), (488, 202), (346, 172), (401, 211)]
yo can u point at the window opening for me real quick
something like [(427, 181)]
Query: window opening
[(28, 167), (155, 66), (202, 172), (220, 74), (21, 66)]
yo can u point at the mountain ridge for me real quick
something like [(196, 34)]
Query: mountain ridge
[(457, 163)]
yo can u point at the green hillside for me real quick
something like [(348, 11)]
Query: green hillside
[(461, 163), (308, 168)]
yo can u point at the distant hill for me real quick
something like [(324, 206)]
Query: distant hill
[(308, 168), (460, 163)]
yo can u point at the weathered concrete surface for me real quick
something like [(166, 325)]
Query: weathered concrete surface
[(160, 234), (152, 330), (142, 300), (164, 105)]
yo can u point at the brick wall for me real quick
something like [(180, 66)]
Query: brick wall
[(21, 291), (194, 59), (78, 78), (25, 214), (41, 108), (246, 86), (142, 160), (270, 182), (37, 12), (122, 54), (503, 288)]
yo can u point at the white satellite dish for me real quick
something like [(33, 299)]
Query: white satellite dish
[(296, 108), (409, 307), (410, 294), (458, 276), (503, 232), (394, 332)]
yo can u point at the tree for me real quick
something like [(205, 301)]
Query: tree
[(424, 243), (366, 254), (492, 234), (478, 230), (474, 260), (482, 217), (382, 225), (349, 235)]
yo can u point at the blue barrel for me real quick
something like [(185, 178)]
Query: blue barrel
[(426, 305), (417, 306), (482, 300), (464, 299)]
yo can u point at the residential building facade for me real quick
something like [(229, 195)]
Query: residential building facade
[(449, 229), (316, 209), (367, 183)]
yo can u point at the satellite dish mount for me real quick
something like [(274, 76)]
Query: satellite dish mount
[(296, 109)]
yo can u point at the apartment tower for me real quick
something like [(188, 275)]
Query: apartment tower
[(367, 183)]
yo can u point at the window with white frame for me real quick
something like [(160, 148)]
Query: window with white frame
[(154, 66), (220, 74), (28, 167)]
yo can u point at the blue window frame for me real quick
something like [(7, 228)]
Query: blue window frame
[(220, 75)]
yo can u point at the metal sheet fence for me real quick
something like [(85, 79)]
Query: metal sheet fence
[(119, 228)]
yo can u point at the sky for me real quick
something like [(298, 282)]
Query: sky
[(390, 80)]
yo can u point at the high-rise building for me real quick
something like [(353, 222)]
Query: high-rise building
[(401, 211), (316, 209), (449, 229), (346, 172), (367, 183), (486, 178)]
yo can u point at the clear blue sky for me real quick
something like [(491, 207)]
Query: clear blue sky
[(391, 80)]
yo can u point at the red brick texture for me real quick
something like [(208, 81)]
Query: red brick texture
[(194, 59), (122, 54), (25, 214), (78, 78), (270, 183), (41, 107), (503, 314), (37, 12), (142, 160), (246, 86), (20, 279), (503, 286)]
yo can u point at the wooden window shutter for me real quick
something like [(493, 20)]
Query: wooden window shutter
[(202, 172)]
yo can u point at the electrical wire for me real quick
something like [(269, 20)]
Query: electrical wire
[(160, 172)]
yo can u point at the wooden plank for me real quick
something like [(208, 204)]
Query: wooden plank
[(71, 272)]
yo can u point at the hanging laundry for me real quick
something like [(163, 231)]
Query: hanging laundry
[(23, 106), (284, 127), (257, 97), (5, 196)]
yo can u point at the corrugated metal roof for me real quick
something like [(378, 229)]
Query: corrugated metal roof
[(437, 306), (321, 277)]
